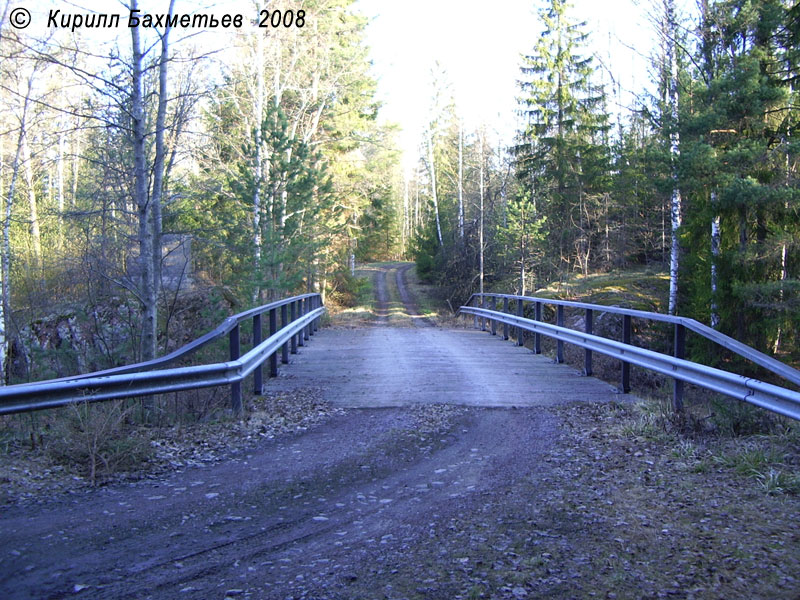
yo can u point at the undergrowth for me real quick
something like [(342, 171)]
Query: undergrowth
[(97, 440), (721, 432)]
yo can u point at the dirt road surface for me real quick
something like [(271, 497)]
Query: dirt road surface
[(331, 513)]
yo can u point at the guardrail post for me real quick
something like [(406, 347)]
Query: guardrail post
[(587, 355), (520, 330), (258, 374), (494, 323), (312, 327), (284, 323), (483, 305), (680, 351), (236, 387), (273, 328), (537, 337), (300, 312), (475, 317), (293, 316), (306, 310), (559, 343), (626, 366), (505, 325)]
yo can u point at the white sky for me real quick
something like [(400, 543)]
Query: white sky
[(479, 44)]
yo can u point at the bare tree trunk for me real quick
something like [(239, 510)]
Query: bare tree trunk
[(149, 205), (76, 150), (715, 238), (715, 219), (2, 279), (5, 270), (784, 252), (417, 215), (480, 232), (405, 228), (522, 250), (160, 157), (259, 160), (461, 181), (62, 139), (36, 236), (434, 198), (147, 293)]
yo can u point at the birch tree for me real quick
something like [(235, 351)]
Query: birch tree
[(148, 201), (669, 34), (23, 98)]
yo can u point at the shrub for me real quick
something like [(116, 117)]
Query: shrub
[(97, 440)]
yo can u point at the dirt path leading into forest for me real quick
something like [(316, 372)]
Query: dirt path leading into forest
[(406, 360)]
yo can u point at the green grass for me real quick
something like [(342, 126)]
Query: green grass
[(428, 303), (642, 289)]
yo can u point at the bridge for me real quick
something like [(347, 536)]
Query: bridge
[(420, 363), (427, 486), (412, 361)]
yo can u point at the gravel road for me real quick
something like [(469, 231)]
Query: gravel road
[(339, 512)]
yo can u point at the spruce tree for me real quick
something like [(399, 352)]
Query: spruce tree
[(561, 153)]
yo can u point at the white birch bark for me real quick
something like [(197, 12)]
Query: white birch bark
[(259, 161), (784, 251), (5, 269), (461, 180), (434, 198), (405, 229), (674, 142), (160, 157), (76, 151), (147, 295), (2, 281), (522, 250), (480, 228), (36, 237), (714, 200), (62, 140), (715, 238)]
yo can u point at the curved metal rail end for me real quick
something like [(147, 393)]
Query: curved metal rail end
[(146, 379)]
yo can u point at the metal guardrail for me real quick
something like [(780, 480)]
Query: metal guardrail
[(299, 320), (772, 397)]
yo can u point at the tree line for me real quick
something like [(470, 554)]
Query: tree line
[(699, 179), (264, 157)]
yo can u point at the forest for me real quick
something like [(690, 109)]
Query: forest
[(697, 183), (150, 184)]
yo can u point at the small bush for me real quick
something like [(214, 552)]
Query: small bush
[(734, 418), (97, 440), (349, 291)]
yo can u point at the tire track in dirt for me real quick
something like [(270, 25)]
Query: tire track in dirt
[(381, 296), (408, 300)]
